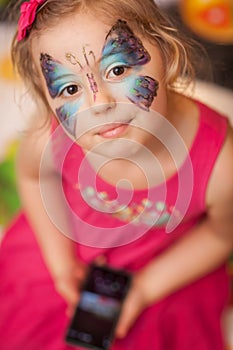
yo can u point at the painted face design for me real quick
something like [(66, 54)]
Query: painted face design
[(93, 84), (67, 114), (55, 74), (90, 76), (122, 41), (142, 92), (123, 47), (57, 77)]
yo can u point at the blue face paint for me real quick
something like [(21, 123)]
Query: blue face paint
[(67, 115), (57, 77), (122, 42), (55, 74), (123, 48)]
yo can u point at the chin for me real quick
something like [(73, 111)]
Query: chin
[(118, 148)]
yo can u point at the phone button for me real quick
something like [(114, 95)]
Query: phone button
[(106, 343)]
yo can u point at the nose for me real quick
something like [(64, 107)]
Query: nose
[(100, 108), (101, 99)]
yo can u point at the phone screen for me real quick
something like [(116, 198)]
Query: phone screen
[(99, 307)]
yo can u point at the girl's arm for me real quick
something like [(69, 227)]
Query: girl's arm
[(201, 251), (57, 249)]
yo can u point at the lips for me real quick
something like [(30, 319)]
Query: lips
[(113, 130)]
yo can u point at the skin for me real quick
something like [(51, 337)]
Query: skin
[(123, 50), (210, 242), (71, 73)]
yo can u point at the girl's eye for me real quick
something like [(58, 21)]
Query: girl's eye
[(116, 72), (70, 90)]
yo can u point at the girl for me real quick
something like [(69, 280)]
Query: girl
[(125, 169)]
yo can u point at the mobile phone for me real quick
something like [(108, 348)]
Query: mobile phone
[(98, 310)]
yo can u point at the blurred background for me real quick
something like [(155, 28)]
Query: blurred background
[(209, 22)]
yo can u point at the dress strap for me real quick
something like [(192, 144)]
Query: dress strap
[(207, 145)]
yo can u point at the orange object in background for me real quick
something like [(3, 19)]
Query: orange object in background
[(210, 19), (6, 69)]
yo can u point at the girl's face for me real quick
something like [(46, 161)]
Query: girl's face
[(102, 82)]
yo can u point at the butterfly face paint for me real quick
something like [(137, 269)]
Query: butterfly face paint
[(142, 91), (56, 75), (122, 42), (123, 48), (90, 76), (67, 114), (93, 84), (73, 59), (57, 78)]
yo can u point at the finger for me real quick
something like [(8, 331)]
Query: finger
[(70, 310), (68, 289), (101, 260), (80, 271), (131, 309)]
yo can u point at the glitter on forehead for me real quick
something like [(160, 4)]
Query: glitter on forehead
[(74, 60)]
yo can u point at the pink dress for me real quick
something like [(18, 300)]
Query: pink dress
[(32, 314)]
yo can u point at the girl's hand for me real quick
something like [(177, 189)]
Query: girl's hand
[(68, 283), (69, 278), (138, 298)]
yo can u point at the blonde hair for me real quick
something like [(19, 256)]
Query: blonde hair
[(143, 16)]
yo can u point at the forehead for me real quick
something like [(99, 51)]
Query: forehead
[(71, 35)]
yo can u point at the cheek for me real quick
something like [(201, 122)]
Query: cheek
[(141, 90), (67, 115)]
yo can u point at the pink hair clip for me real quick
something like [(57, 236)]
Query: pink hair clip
[(28, 12)]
